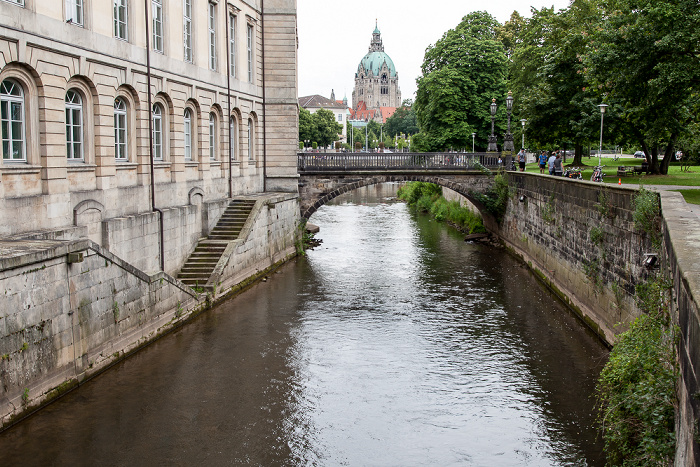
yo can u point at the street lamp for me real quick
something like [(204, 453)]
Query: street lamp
[(523, 121), (508, 143), (473, 135), (493, 145), (602, 108)]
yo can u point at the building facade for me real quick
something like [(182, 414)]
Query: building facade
[(89, 89), (376, 94)]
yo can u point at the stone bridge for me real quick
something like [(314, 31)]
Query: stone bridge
[(323, 176)]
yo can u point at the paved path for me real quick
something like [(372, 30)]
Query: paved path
[(694, 208)]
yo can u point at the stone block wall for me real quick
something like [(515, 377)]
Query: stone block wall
[(580, 236), (61, 322)]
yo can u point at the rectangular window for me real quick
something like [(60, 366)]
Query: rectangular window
[(232, 43), (340, 117), (74, 12), (212, 36), (250, 52), (157, 13), (120, 19), (187, 29)]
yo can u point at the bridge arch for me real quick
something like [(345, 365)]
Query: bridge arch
[(317, 190)]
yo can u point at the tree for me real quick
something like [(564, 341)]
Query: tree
[(461, 73), (403, 121), (645, 56), (548, 79), (326, 128), (306, 125)]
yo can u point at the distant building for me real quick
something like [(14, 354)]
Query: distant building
[(376, 95), (340, 109)]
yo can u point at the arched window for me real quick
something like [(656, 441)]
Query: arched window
[(212, 136), (120, 130), (13, 123), (233, 136), (157, 132), (251, 140), (188, 135), (74, 125)]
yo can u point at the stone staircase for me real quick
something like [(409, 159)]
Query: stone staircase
[(206, 255)]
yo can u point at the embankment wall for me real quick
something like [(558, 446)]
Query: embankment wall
[(70, 308)]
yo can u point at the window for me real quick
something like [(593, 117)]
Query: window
[(12, 121), (251, 140), (250, 52), (157, 13), (187, 29), (120, 133), (188, 135), (74, 125), (233, 135), (232, 43), (212, 136), (340, 117), (212, 36), (120, 19), (158, 132), (74, 12)]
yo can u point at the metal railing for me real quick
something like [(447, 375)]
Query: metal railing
[(403, 161)]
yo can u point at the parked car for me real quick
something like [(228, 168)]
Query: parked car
[(640, 154)]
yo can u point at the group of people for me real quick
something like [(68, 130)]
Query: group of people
[(553, 162)]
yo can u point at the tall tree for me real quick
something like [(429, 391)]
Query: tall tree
[(306, 125), (645, 54), (403, 121), (548, 79), (326, 128), (461, 73)]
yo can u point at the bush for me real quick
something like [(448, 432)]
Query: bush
[(636, 390)]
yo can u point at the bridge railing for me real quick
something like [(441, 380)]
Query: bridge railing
[(341, 161)]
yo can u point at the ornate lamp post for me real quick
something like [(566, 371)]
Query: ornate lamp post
[(493, 145), (473, 135), (602, 108), (508, 143), (523, 121)]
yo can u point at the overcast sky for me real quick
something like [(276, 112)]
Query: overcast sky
[(334, 35)]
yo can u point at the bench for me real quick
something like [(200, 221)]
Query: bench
[(623, 171)]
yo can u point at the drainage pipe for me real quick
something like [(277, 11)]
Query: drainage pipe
[(264, 114), (150, 141), (228, 100)]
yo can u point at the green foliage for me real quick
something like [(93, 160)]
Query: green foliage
[(320, 127), (636, 390), (604, 204), (24, 347), (495, 200), (427, 197), (548, 210), (647, 214), (306, 125), (25, 396), (597, 235), (403, 121), (461, 73)]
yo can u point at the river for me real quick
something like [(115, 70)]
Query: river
[(393, 343)]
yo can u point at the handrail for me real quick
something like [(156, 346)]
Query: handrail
[(433, 161)]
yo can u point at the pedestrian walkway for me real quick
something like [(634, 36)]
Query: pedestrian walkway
[(693, 208)]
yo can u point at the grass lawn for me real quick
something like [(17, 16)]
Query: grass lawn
[(691, 196), (674, 177)]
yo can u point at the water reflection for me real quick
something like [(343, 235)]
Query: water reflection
[(393, 343)]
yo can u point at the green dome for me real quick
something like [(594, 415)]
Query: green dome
[(374, 60)]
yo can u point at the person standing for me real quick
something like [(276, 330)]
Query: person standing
[(522, 157), (550, 163), (558, 170), (543, 161)]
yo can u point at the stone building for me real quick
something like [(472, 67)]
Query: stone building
[(78, 120), (128, 126), (376, 95)]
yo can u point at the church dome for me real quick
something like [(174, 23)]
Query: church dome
[(373, 62)]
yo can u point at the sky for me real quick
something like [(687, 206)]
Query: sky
[(334, 36)]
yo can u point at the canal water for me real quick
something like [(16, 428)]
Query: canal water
[(393, 343)]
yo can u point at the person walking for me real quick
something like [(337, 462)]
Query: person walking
[(550, 162), (522, 157), (543, 161), (558, 170)]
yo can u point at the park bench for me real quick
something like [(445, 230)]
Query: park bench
[(623, 171)]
